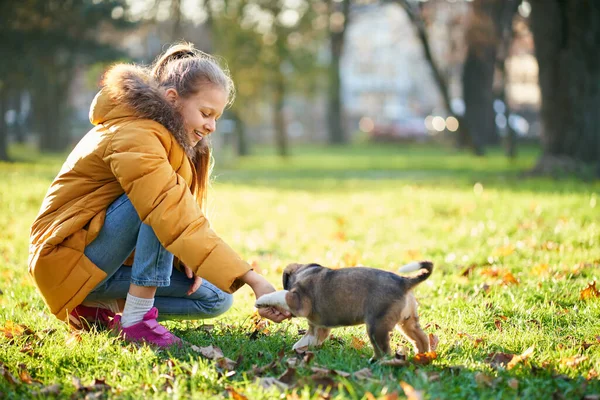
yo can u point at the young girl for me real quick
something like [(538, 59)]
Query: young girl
[(133, 189)]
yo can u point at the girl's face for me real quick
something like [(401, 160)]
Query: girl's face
[(200, 111)]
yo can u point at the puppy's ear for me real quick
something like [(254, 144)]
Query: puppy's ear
[(287, 274), (286, 281)]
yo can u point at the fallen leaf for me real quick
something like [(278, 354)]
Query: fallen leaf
[(325, 382), (535, 321), (540, 269), (591, 397), (424, 358), (7, 375), (268, 382), (308, 357), (492, 272), (509, 279), (207, 328), (28, 349), (498, 324), (50, 390), (225, 363), (288, 377), (339, 235), (504, 251), (519, 358), (572, 361), (320, 370), (394, 362), (464, 334), (433, 342), (341, 373), (484, 380), (99, 385), (468, 270), (210, 352), (24, 375), (73, 338), (12, 330), (430, 324), (410, 392), (513, 383), (357, 343), (499, 359), (364, 373), (234, 394), (592, 374), (589, 292)]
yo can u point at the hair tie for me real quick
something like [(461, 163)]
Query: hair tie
[(183, 54)]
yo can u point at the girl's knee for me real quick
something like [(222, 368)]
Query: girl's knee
[(223, 304)]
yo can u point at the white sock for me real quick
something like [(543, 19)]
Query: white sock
[(134, 310), (110, 304)]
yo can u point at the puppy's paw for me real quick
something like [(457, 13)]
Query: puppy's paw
[(275, 299), (306, 341)]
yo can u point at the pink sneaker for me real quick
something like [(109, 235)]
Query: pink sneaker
[(147, 330), (83, 317)]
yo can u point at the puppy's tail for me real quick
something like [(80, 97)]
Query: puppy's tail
[(425, 269)]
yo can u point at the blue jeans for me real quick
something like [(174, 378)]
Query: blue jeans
[(123, 231)]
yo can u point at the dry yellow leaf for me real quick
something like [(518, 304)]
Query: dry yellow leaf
[(589, 292), (572, 361), (410, 392), (509, 279), (357, 343), (504, 251), (519, 358)]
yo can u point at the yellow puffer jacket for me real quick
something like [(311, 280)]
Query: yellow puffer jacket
[(138, 146)]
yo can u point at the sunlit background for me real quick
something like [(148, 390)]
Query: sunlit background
[(459, 72)]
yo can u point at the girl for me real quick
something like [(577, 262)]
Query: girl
[(138, 181)]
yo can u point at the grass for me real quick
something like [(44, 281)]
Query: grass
[(512, 256)]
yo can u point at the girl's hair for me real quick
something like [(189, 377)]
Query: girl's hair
[(186, 69)]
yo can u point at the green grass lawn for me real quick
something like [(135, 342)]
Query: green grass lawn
[(513, 256)]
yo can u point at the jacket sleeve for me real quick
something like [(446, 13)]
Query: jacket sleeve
[(138, 158)]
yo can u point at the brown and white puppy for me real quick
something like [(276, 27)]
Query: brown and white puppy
[(329, 298)]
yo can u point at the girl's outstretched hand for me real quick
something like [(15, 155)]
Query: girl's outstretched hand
[(261, 286)]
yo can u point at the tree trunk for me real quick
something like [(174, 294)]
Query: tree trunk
[(483, 36), (3, 126), (463, 136), (240, 135), (177, 33), (479, 118), (566, 36), (506, 33), (51, 111), (337, 134), (278, 115), (19, 126)]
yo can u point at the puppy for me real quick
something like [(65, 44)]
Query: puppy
[(352, 296)]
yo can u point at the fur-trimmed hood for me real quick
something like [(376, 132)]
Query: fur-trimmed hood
[(130, 90)]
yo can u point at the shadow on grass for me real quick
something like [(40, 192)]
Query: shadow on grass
[(356, 167), (370, 167), (332, 368)]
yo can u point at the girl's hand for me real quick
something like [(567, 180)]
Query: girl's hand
[(197, 280), (261, 286)]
